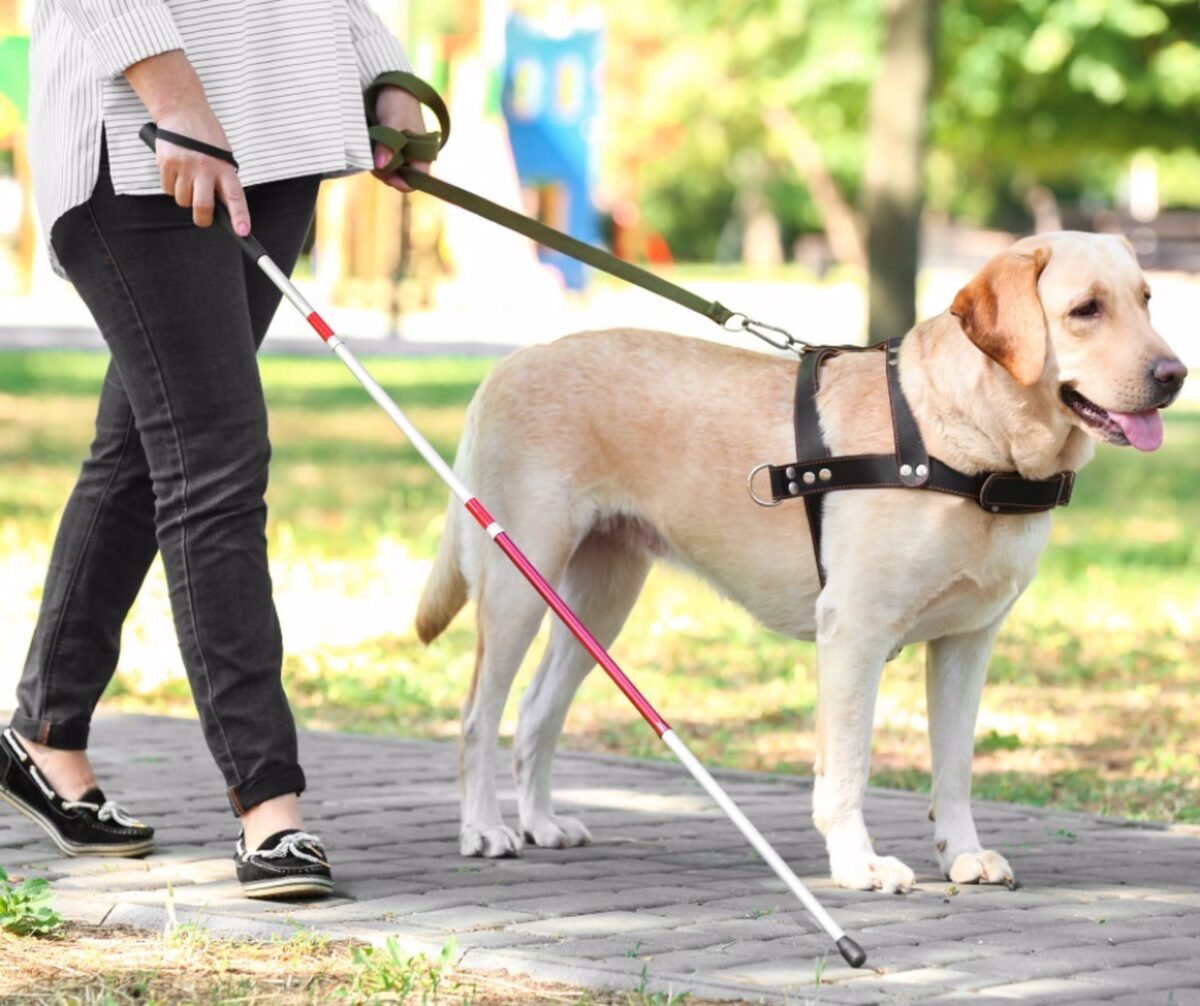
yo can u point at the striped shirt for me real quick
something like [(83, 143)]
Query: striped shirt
[(284, 78)]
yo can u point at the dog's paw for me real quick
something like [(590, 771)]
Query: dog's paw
[(496, 842), (554, 832), (875, 873), (983, 867)]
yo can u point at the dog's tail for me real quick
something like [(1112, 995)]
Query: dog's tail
[(446, 589)]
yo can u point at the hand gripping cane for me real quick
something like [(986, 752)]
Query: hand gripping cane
[(424, 147)]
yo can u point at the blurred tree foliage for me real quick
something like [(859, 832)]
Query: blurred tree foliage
[(1059, 93), (1055, 93)]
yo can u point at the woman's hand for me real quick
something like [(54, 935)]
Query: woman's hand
[(174, 97), (398, 109)]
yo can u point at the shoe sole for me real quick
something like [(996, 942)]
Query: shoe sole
[(288, 887), (76, 848)]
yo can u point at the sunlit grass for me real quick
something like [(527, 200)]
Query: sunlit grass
[(93, 966), (1092, 702)]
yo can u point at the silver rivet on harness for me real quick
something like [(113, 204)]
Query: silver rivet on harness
[(810, 478), (922, 470), (825, 474), (905, 471), (793, 488), (791, 471)]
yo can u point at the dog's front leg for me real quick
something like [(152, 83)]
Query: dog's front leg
[(956, 667), (849, 664)]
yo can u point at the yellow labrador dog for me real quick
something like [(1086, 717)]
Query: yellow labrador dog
[(604, 451)]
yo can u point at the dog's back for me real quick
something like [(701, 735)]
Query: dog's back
[(573, 436)]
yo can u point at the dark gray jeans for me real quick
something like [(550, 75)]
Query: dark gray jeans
[(178, 465)]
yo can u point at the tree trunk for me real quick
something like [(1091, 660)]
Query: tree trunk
[(842, 225), (895, 161)]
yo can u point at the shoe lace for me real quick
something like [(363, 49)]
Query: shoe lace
[(299, 844), (107, 811)]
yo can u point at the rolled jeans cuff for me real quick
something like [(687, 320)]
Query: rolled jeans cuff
[(261, 788), (66, 736)]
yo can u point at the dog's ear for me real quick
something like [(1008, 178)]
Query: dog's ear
[(1001, 313), (1128, 246)]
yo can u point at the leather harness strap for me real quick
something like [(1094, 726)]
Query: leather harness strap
[(809, 441), (910, 467), (912, 458)]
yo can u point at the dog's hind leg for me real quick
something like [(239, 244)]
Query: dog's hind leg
[(602, 583), (509, 613), (955, 669)]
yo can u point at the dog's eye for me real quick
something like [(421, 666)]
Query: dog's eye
[(1088, 309), (1146, 295)]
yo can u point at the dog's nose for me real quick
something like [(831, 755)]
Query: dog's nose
[(1169, 372)]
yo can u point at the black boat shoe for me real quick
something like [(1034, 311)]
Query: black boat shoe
[(289, 864), (89, 826)]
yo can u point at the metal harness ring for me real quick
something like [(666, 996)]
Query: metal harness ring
[(750, 488)]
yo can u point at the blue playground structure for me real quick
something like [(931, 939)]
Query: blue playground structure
[(551, 104)]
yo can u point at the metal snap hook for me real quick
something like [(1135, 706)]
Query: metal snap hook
[(782, 338)]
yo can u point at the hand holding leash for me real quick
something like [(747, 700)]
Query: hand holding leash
[(398, 109), (410, 149)]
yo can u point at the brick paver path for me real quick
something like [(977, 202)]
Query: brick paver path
[(668, 897)]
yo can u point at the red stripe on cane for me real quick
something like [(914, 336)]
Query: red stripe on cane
[(479, 512), (322, 329), (570, 619), (580, 632)]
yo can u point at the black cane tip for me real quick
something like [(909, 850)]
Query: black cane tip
[(855, 956)]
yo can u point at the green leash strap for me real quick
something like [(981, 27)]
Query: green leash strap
[(406, 146), (551, 238), (424, 147)]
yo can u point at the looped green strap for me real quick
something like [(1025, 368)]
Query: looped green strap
[(407, 146)]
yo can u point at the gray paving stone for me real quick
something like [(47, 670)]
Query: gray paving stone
[(1160, 997), (1171, 951), (1048, 990), (1009, 968), (1032, 940), (924, 981), (1142, 977), (668, 886), (796, 973), (1114, 933), (467, 918), (84, 907), (904, 957), (593, 924)]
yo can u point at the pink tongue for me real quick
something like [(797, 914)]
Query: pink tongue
[(1143, 429)]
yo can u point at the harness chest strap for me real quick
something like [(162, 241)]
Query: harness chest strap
[(909, 467)]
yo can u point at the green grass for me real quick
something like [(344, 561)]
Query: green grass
[(1092, 700), (93, 966)]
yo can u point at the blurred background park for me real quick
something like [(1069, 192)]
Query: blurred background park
[(837, 168)]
